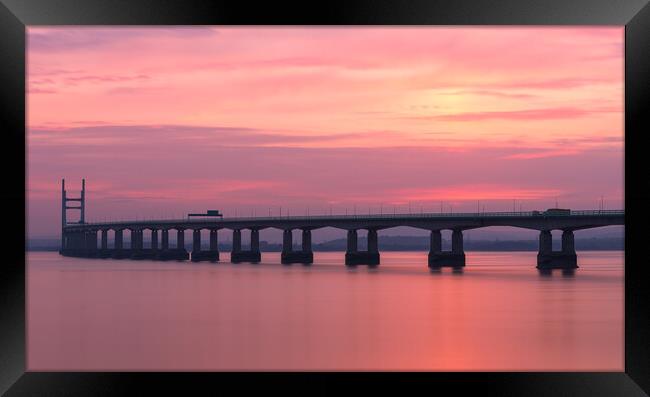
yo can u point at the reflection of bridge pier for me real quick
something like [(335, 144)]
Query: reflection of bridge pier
[(566, 258), (304, 256), (439, 258), (252, 255), (355, 257)]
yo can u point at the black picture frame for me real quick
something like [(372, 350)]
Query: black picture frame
[(15, 15)]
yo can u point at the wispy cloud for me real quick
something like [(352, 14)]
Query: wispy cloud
[(157, 117), (541, 154), (93, 38), (530, 114), (35, 90), (111, 78), (204, 137), (473, 192), (491, 93), (527, 114)]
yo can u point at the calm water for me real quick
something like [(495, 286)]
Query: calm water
[(499, 314)]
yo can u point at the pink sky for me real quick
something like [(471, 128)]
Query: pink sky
[(177, 120)]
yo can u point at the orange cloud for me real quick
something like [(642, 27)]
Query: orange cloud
[(541, 154), (474, 193)]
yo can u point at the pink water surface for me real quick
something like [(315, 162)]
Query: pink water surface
[(499, 314)]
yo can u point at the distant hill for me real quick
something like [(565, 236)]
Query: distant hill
[(401, 243)]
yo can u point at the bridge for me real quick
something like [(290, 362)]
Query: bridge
[(81, 239)]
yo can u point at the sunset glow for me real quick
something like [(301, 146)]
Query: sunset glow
[(166, 121)]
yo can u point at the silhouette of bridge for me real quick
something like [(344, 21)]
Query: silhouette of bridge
[(81, 238)]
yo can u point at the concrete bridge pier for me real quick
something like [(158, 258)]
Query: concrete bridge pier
[(134, 240), (90, 244), (137, 246), (164, 239), (287, 246), (214, 245), (435, 248), (119, 240), (119, 252), (565, 259), (196, 240), (304, 256), (306, 240), (236, 240), (154, 240), (179, 253), (439, 258), (253, 255), (72, 244), (196, 245), (199, 254), (255, 240), (88, 251), (307, 253), (355, 257), (69, 243), (214, 240), (103, 251), (139, 252), (287, 240), (140, 240), (80, 244), (180, 239), (164, 253)]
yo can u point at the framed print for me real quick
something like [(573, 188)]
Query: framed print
[(352, 194)]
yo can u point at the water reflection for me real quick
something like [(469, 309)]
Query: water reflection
[(85, 314), (567, 273), (453, 270)]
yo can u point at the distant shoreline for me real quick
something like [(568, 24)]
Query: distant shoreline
[(404, 243)]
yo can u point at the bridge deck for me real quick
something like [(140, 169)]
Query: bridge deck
[(528, 219), (81, 239)]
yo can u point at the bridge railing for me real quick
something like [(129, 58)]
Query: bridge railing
[(369, 217), (598, 212)]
